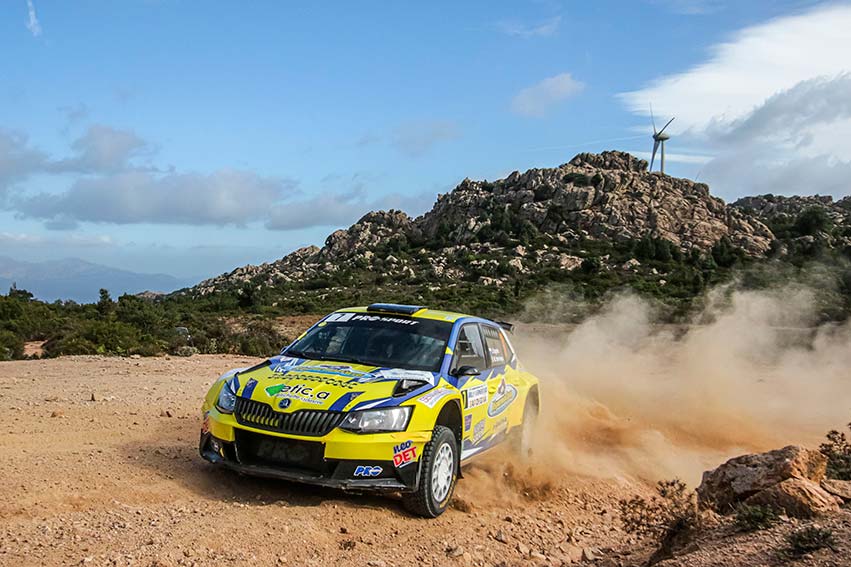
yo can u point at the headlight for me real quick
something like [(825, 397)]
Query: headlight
[(377, 421), (227, 398)]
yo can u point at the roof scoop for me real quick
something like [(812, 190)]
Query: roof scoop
[(394, 308)]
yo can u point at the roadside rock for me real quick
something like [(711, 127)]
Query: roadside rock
[(797, 498), (840, 488), (742, 477)]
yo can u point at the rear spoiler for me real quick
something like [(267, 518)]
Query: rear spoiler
[(507, 326)]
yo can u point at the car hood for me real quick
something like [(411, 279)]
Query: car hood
[(289, 384)]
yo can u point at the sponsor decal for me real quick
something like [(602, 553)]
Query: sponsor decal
[(468, 422), (364, 470), (496, 355), (430, 398), (476, 396), (404, 454), (505, 394), (300, 392), (478, 431), (335, 382), (383, 319), (402, 374)]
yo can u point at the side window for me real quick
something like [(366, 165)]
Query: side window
[(495, 345), (469, 350)]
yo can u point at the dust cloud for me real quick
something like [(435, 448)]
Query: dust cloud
[(623, 397)]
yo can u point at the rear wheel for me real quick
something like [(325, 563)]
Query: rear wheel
[(438, 474), (525, 437)]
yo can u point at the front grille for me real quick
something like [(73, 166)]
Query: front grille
[(258, 449), (313, 423)]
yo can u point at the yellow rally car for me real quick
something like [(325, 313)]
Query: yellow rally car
[(386, 397)]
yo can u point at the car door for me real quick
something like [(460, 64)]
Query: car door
[(469, 350), (501, 380)]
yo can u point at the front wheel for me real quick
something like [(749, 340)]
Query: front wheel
[(438, 474)]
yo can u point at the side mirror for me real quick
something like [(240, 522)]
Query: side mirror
[(466, 371)]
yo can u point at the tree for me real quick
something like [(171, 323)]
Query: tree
[(105, 306), (812, 221)]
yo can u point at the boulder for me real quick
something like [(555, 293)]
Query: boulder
[(742, 477), (840, 488), (797, 498)]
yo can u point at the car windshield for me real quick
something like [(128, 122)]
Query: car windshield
[(376, 340)]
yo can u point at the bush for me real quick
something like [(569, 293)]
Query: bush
[(11, 346), (752, 518), (812, 221), (674, 508), (837, 449), (810, 539)]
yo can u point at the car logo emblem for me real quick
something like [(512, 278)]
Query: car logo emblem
[(284, 404)]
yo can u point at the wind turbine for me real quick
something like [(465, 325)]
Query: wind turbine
[(659, 140)]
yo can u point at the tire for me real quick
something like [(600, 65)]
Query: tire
[(438, 475), (523, 439)]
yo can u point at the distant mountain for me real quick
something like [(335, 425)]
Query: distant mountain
[(78, 280)]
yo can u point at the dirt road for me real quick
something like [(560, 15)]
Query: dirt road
[(100, 466)]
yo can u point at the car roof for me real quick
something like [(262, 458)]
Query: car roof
[(422, 313)]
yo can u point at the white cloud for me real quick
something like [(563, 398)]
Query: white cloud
[(416, 139), (674, 157), (342, 209), (17, 160), (773, 104), (538, 99), (225, 197), (542, 29), (104, 149), (32, 20)]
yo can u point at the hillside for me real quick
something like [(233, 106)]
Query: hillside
[(597, 206)]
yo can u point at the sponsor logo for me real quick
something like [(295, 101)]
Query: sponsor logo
[(468, 422), (300, 392), (403, 374), (477, 396), (430, 398), (285, 403), (404, 454), (478, 431), (505, 394), (364, 470), (336, 383)]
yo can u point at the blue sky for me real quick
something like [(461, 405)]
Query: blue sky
[(191, 137)]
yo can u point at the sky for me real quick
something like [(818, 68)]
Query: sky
[(189, 138)]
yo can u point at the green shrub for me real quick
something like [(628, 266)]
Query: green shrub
[(11, 346), (810, 539), (812, 221), (752, 518), (837, 449)]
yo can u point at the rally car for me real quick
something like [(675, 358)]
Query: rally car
[(381, 398)]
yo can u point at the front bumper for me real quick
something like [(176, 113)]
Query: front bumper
[(340, 459)]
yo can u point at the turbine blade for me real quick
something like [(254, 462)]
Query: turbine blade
[(653, 157), (652, 120), (666, 125)]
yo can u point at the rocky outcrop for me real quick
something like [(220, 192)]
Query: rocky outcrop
[(839, 488), (607, 196), (797, 498), (785, 479), (766, 207)]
